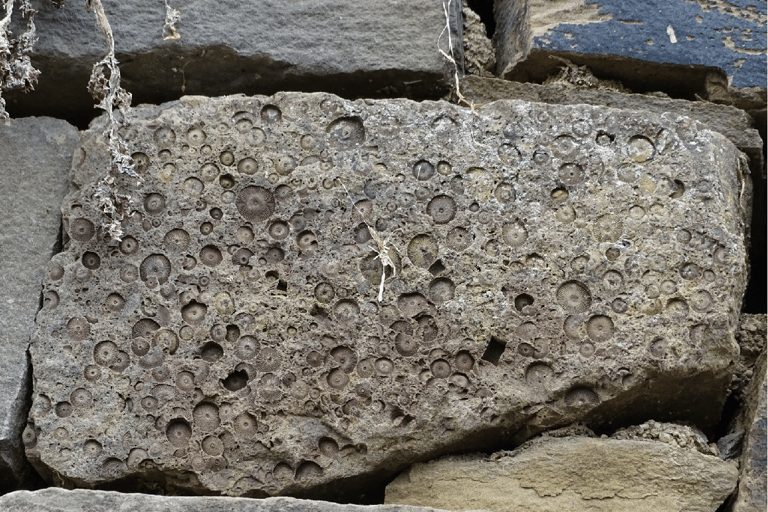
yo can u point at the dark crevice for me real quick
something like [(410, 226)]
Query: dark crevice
[(731, 409), (484, 9), (756, 296), (494, 350), (62, 93)]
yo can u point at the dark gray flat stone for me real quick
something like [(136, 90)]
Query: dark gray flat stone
[(35, 154), (350, 47), (60, 500)]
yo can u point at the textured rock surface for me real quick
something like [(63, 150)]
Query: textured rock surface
[(680, 436), (60, 500), (35, 155), (353, 48), (540, 264), (569, 475), (730, 121), (751, 493), (479, 55), (512, 39), (751, 337), (727, 35)]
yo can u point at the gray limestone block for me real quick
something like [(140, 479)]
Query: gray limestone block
[(311, 293), (60, 500), (35, 155), (572, 474), (349, 47), (732, 122), (623, 38)]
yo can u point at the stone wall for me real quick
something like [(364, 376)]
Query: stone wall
[(362, 245)]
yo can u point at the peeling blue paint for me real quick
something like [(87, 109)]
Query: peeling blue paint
[(620, 36)]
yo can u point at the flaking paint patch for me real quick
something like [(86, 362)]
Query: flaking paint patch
[(728, 43), (750, 13), (546, 15)]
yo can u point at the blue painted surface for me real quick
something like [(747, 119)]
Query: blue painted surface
[(706, 48)]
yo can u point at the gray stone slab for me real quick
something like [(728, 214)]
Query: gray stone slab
[(732, 122), (573, 474), (350, 47), (60, 500), (35, 155), (311, 292), (727, 35)]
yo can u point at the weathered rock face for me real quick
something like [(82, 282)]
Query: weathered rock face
[(479, 55), (60, 500), (751, 423), (751, 337), (573, 474), (356, 48), (732, 122), (310, 290), (35, 154)]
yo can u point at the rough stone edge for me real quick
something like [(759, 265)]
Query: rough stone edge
[(544, 445), (60, 500), (16, 471), (745, 137), (748, 496)]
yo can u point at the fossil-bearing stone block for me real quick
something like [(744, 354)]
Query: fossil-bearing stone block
[(312, 291)]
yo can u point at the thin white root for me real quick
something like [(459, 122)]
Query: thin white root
[(382, 247), (382, 254), (451, 58)]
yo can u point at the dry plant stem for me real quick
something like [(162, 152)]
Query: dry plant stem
[(451, 57), (382, 249), (452, 60), (16, 71), (172, 16), (105, 88)]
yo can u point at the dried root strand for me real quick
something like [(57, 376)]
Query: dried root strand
[(382, 253), (16, 70), (450, 56), (106, 90), (382, 247), (172, 17)]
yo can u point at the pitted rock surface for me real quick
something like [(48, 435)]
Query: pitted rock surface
[(681, 436), (540, 263)]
